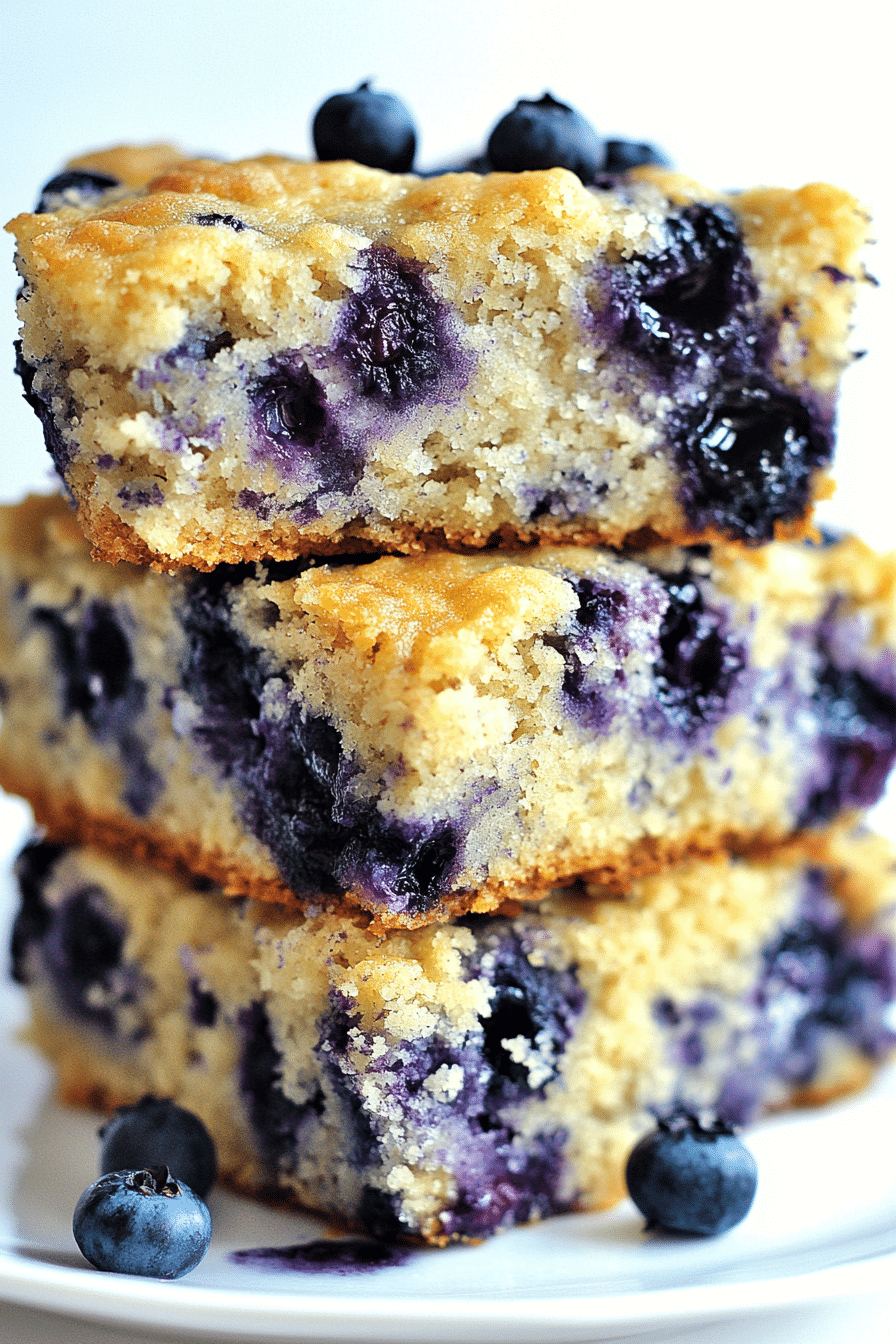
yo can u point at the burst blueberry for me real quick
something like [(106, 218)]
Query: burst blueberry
[(685, 1177), (392, 335), (699, 666), (372, 128), (142, 1222), (156, 1132), (747, 456), (545, 133)]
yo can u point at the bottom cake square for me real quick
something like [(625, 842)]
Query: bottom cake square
[(447, 1082)]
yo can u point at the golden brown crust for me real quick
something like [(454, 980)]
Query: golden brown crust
[(112, 540), (65, 821)]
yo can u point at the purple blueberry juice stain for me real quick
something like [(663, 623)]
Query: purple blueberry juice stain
[(134, 496), (95, 664), (608, 620), (577, 496), (835, 274), (279, 1122), (352, 1255), (513, 1188), (393, 336), (191, 357), (263, 506)]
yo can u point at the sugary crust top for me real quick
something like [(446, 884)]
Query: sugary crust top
[(101, 262), (433, 614)]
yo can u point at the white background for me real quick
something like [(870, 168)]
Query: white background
[(778, 93)]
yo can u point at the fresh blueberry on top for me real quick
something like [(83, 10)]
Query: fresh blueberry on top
[(620, 155), (142, 1222), (155, 1132), (74, 186), (545, 134), (372, 128), (685, 1177)]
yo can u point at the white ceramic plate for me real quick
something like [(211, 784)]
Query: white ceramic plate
[(823, 1225)]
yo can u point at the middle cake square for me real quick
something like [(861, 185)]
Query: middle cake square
[(421, 736)]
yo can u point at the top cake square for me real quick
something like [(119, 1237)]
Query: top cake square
[(270, 358)]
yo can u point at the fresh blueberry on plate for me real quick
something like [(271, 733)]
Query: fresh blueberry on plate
[(685, 1177), (142, 1222), (156, 1132)]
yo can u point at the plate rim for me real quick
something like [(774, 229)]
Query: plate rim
[(243, 1312)]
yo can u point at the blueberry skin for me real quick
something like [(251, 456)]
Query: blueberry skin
[(372, 128), (74, 186), (142, 1222), (624, 154), (545, 134), (687, 1178), (155, 1132)]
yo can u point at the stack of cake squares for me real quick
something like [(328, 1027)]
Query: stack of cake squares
[(449, 734)]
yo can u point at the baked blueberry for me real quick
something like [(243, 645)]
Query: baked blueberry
[(156, 1132), (685, 1177), (698, 665), (228, 221), (142, 1222), (545, 133), (370, 127), (83, 954), (391, 335), (74, 186), (747, 457)]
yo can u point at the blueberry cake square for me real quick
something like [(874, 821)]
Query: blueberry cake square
[(448, 1082), (268, 358), (420, 736)]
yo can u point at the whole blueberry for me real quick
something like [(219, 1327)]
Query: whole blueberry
[(620, 155), (372, 128), (142, 1222), (545, 134), (687, 1178), (74, 186), (156, 1132)]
